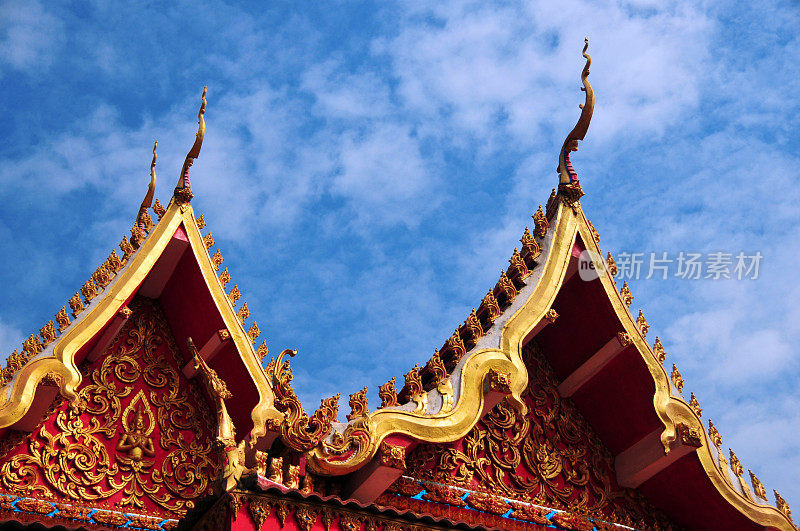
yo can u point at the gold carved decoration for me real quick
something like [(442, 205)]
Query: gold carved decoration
[(611, 265), (549, 456), (453, 349), (293, 480), (689, 436), (758, 487), (243, 313), (276, 470), (695, 405), (208, 240), (137, 236), (48, 333), (392, 455), (471, 330), (489, 307), (782, 506), (716, 440), (306, 517), (531, 250), (297, 430), (126, 248), (234, 294), (738, 470), (413, 390), (677, 379), (658, 350), (388, 394), (217, 260), (551, 315), (89, 291), (76, 305), (624, 339), (540, 223), (499, 381), (517, 268), (262, 351), (98, 446), (641, 322), (113, 263), (159, 209), (224, 278), (358, 404), (62, 319), (253, 332), (625, 292), (201, 222), (506, 288)]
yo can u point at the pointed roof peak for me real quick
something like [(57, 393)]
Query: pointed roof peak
[(183, 190), (569, 185)]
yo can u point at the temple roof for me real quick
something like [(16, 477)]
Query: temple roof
[(598, 349)]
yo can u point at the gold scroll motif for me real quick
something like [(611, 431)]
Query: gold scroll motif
[(146, 444), (551, 456)]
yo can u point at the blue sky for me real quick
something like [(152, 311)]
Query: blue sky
[(369, 167)]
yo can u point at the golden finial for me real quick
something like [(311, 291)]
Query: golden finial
[(216, 260), (262, 351), (611, 265), (243, 313), (568, 179), (183, 191), (48, 333), (234, 294), (782, 506), (62, 319), (388, 394), (76, 305), (642, 323), (677, 379), (224, 277), (158, 208), (758, 487), (358, 404), (253, 332), (713, 434), (625, 292), (695, 405), (201, 221), (738, 470), (151, 190), (208, 240), (658, 350)]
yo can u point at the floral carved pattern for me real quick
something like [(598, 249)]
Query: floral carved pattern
[(137, 436), (551, 456)]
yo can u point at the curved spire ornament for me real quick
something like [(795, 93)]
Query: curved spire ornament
[(569, 184), (183, 191), (143, 220)]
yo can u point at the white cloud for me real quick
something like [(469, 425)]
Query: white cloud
[(29, 36)]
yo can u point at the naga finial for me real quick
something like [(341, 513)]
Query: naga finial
[(568, 179), (183, 191), (151, 190)]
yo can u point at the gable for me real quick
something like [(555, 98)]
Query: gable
[(548, 457), (138, 439)]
